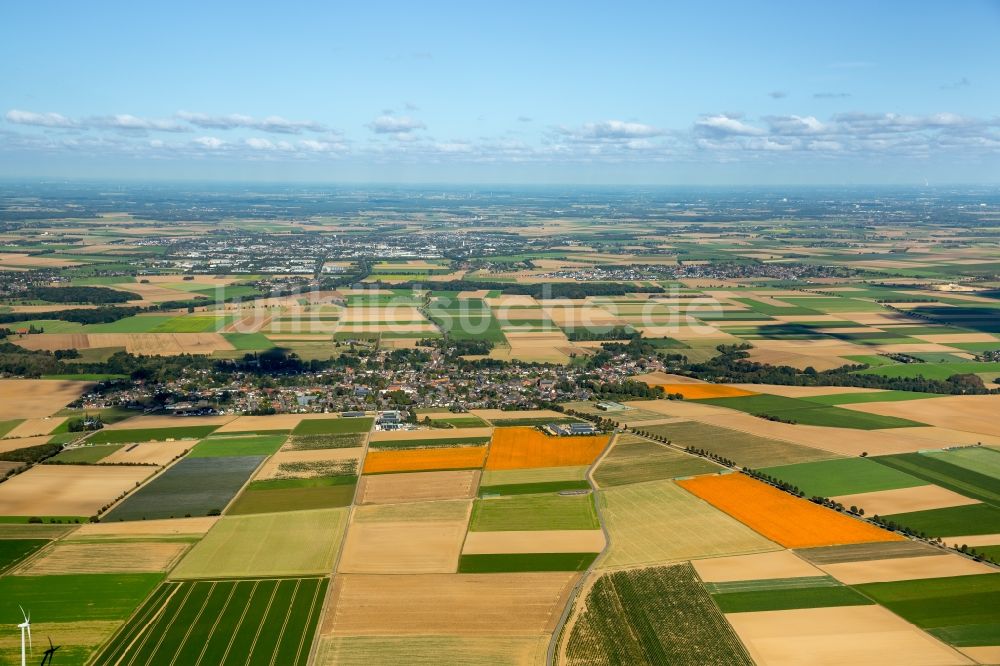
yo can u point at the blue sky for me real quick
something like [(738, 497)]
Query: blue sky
[(515, 92)]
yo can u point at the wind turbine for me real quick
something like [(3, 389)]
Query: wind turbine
[(25, 625)]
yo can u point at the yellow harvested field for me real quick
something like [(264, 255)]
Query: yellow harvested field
[(67, 490), (582, 316), (430, 433), (904, 500), (367, 315), (418, 487), (512, 300), (658, 378), (541, 541), (263, 423), (463, 604), (844, 441), (973, 541), (139, 528), (678, 408), (149, 344), (968, 413), (697, 391), (498, 477), (985, 654), (443, 511), (104, 557), (431, 650), (279, 465), (500, 415), (794, 359), (905, 568), (169, 422), (37, 398), (155, 453), (521, 447), (20, 260), (412, 547), (803, 391), (22, 442), (957, 338), (35, 427), (388, 327), (758, 566), (856, 635)]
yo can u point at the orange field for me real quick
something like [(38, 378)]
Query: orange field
[(696, 391), (521, 447), (787, 520), (419, 460)]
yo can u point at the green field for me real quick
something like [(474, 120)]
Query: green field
[(961, 610), (249, 341), (743, 448), (333, 426), (75, 597), (136, 435), (193, 486), (660, 615), (222, 622), (267, 544), (294, 495), (136, 324), (13, 551), (952, 521), (460, 422), (533, 488), (85, 454), (979, 459), (347, 440), (192, 324), (809, 413), (7, 426), (939, 471), (534, 512), (939, 371), (784, 594), (846, 476), (513, 562), (86, 377), (874, 396), (223, 446), (641, 460)]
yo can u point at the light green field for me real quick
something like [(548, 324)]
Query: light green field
[(657, 522), (745, 449), (637, 460), (267, 544), (431, 650), (978, 459), (219, 447), (440, 511), (846, 476), (534, 512)]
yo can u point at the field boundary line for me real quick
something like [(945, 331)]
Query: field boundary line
[(211, 632), (314, 646), (263, 620), (284, 624), (567, 612), (187, 634), (163, 635)]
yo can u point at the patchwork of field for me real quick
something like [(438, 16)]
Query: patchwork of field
[(635, 460), (418, 487), (67, 490), (222, 622)]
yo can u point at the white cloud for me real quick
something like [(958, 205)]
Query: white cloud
[(614, 130), (725, 124), (210, 142), (388, 124), (794, 125), (130, 123), (39, 119), (271, 124)]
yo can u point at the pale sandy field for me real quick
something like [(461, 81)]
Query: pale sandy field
[(904, 500), (447, 604), (411, 547), (253, 423), (418, 487), (657, 378), (108, 557), (542, 541), (37, 398), (856, 635), (905, 568), (431, 433), (156, 453), (36, 427), (431, 650), (448, 511), (974, 541), (169, 422), (150, 344), (758, 566), (499, 414), (968, 413), (986, 654), (400, 313), (272, 467), (956, 338), (20, 260), (680, 408), (138, 528), (797, 360), (66, 490), (803, 391)]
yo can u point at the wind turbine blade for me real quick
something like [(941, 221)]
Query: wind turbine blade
[(23, 614), (30, 647)]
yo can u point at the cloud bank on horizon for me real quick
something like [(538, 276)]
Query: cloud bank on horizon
[(746, 87)]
